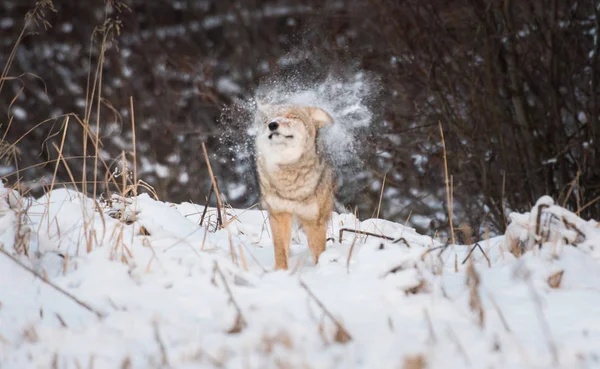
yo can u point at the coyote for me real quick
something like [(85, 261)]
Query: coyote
[(295, 177)]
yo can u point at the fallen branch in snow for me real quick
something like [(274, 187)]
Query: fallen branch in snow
[(240, 321), (342, 335), (60, 290), (394, 240)]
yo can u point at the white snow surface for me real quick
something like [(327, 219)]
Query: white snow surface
[(148, 269)]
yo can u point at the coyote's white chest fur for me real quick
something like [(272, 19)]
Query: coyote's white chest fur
[(295, 179)]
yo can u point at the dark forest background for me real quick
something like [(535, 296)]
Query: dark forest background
[(513, 83)]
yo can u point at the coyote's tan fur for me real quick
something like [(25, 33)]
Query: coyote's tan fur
[(295, 177)]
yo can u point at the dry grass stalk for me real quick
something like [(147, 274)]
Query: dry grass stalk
[(65, 263), (146, 243), (350, 253), (232, 251), (133, 143), (215, 186), (449, 197), (448, 194), (243, 258), (341, 335), (572, 185), (473, 282), (414, 362), (555, 279), (91, 235), (35, 15), (270, 341), (505, 222), (107, 30), (60, 150), (381, 195), (204, 238), (592, 202)]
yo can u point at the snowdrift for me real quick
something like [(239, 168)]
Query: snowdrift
[(138, 283)]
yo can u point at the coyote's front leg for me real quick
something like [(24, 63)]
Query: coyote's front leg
[(316, 232), (281, 229)]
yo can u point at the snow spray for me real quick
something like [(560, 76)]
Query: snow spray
[(347, 98)]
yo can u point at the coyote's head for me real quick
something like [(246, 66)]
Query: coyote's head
[(286, 132)]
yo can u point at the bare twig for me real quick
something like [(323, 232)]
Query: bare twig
[(342, 334), (403, 240), (240, 321), (342, 230), (163, 351), (381, 196), (483, 252), (206, 205)]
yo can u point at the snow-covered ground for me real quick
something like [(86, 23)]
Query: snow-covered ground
[(142, 285)]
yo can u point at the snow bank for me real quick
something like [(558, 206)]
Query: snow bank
[(137, 283)]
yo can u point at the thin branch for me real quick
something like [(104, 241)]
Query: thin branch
[(55, 287), (342, 334), (483, 252), (240, 322)]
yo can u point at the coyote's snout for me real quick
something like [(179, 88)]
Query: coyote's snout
[(295, 177)]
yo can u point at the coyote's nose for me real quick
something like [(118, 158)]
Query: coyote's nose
[(273, 126)]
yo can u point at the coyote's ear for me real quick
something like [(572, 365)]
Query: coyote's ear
[(320, 116)]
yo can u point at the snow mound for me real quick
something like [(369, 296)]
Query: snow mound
[(140, 283)]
